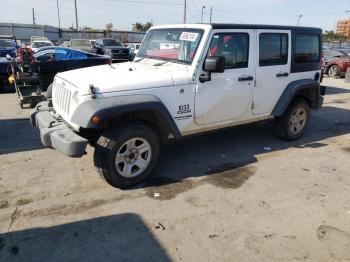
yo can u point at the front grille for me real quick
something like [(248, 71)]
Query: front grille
[(62, 97), (120, 52)]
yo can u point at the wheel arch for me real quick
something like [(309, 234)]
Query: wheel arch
[(307, 89), (329, 66), (113, 110)]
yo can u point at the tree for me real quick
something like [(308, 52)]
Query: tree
[(331, 36), (140, 27)]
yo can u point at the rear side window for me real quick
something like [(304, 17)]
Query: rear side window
[(233, 46), (307, 48), (273, 49)]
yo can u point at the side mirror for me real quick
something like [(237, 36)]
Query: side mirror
[(212, 64), (215, 64)]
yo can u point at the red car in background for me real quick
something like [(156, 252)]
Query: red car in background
[(335, 63)]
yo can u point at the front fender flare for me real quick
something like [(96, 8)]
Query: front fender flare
[(111, 107)]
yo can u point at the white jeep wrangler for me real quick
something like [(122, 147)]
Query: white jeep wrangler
[(185, 79)]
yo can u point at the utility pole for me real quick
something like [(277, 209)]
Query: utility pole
[(203, 7), (185, 9), (76, 14), (33, 16), (58, 14), (211, 14), (300, 16)]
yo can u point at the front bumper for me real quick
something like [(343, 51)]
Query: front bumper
[(124, 57), (55, 133)]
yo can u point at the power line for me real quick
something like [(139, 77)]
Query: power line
[(195, 5), (53, 8), (146, 2), (273, 15)]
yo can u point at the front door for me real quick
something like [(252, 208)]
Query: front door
[(273, 69), (227, 96)]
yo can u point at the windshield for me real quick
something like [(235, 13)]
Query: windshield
[(177, 45), (41, 44), (329, 54), (6, 43), (82, 42), (111, 42)]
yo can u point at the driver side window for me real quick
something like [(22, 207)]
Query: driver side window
[(233, 46)]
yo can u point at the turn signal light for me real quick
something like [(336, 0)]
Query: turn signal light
[(95, 120)]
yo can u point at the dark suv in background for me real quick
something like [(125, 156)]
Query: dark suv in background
[(8, 46), (112, 48)]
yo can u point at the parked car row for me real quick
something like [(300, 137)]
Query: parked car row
[(48, 61), (104, 46), (336, 61)]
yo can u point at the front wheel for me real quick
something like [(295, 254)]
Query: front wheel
[(293, 124), (127, 155)]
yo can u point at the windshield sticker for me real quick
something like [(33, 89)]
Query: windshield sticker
[(188, 36)]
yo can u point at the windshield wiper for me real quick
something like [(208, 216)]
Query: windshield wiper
[(161, 63), (140, 59), (148, 57)]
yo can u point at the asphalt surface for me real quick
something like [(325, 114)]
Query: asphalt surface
[(239, 194)]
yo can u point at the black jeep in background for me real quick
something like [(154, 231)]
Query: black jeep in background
[(112, 48)]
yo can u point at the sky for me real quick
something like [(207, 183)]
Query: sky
[(123, 13)]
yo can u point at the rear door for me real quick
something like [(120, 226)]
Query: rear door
[(273, 69)]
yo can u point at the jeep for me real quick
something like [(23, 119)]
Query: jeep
[(186, 79)]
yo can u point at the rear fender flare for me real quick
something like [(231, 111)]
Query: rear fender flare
[(292, 90)]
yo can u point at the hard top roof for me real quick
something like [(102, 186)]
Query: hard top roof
[(258, 26)]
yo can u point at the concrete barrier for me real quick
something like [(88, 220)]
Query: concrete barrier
[(347, 75)]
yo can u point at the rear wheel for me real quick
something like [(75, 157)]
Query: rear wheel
[(334, 71), (294, 122), (127, 155)]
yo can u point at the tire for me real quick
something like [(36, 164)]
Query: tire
[(134, 144), (293, 124), (334, 71)]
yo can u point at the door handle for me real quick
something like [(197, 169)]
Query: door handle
[(245, 78), (282, 74)]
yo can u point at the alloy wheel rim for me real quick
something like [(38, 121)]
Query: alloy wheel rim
[(332, 72), (297, 121), (133, 157)]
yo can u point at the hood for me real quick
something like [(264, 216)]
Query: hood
[(116, 48), (340, 59), (126, 77), (7, 50), (82, 48)]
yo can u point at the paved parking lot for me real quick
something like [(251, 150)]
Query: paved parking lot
[(222, 196)]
